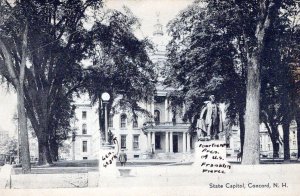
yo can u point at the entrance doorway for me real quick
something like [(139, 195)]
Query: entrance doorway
[(175, 143), (157, 141)]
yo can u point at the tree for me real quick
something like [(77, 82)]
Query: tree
[(9, 146), (57, 42), (120, 65), (277, 85), (274, 85), (16, 76), (257, 17), (196, 54), (204, 56), (290, 55)]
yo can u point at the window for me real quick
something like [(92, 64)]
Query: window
[(135, 123), (123, 141), (84, 146), (261, 147), (157, 142), (269, 147), (84, 129), (228, 141), (123, 120), (84, 158), (156, 117), (136, 142), (83, 114), (110, 121)]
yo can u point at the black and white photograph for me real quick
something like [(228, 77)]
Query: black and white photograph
[(149, 97)]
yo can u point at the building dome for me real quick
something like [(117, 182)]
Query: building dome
[(158, 29), (159, 42)]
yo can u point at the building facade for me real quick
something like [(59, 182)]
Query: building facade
[(85, 140), (161, 135)]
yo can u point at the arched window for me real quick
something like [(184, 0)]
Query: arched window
[(123, 120), (156, 117), (84, 129)]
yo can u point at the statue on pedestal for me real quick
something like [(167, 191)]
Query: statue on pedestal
[(210, 123)]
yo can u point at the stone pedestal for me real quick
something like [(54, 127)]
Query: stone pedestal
[(210, 157), (107, 162)]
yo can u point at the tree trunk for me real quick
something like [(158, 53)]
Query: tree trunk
[(54, 150), (242, 130), (42, 133), (251, 146), (44, 151), (286, 140), (25, 154), (18, 83), (26, 167), (275, 145), (275, 139)]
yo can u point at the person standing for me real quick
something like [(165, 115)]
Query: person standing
[(123, 157)]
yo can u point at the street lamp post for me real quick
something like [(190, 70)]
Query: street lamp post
[(105, 98), (107, 154)]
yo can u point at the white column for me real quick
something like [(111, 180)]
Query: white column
[(183, 142), (148, 141), (188, 142), (166, 110), (167, 142), (153, 141), (171, 142)]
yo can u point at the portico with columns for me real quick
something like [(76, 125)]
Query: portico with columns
[(168, 138)]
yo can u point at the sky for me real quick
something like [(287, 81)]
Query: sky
[(147, 11)]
